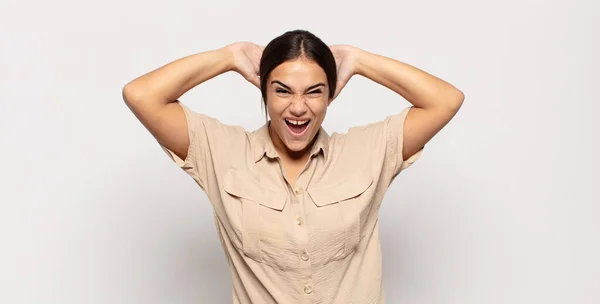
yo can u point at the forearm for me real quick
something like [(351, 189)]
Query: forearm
[(420, 88), (169, 82)]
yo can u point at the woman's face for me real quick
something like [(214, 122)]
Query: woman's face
[(297, 100)]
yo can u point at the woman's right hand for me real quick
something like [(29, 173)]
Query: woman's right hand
[(246, 60)]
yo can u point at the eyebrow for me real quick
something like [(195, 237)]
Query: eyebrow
[(308, 89)]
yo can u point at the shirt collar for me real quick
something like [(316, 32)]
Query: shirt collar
[(263, 144)]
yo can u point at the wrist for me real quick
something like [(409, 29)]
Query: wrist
[(360, 61), (227, 53)]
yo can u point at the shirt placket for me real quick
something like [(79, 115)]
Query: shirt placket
[(299, 198)]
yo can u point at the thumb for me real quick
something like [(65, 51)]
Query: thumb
[(341, 83), (254, 79)]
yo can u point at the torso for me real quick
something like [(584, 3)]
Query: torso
[(311, 237), (292, 170)]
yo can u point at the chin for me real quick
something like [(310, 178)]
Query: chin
[(296, 146)]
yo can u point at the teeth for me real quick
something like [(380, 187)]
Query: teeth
[(297, 122)]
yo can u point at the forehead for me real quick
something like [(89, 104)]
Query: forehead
[(299, 73)]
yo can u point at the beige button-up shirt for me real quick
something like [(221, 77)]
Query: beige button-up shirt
[(316, 242)]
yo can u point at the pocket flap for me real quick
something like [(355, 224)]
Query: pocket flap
[(347, 188), (244, 185)]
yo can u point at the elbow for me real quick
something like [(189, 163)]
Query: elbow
[(137, 97), (131, 95), (455, 102)]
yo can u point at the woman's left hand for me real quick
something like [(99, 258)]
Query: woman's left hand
[(346, 57)]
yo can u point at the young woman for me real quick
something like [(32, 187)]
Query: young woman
[(296, 209)]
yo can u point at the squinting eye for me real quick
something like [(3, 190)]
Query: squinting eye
[(281, 91), (315, 92)]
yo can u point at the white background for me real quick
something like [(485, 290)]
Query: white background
[(502, 207)]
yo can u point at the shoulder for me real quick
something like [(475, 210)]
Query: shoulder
[(376, 131), (362, 136), (212, 126)]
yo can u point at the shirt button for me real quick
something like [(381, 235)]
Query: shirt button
[(300, 221), (298, 191), (304, 256), (308, 289)]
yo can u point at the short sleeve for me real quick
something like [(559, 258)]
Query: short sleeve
[(394, 137), (203, 133)]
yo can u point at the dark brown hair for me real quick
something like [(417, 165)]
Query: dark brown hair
[(292, 45)]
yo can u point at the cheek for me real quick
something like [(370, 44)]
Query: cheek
[(275, 106), (318, 107)]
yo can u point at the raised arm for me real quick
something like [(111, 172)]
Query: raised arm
[(435, 101), (153, 97)]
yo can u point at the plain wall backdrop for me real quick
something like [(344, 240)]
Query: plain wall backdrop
[(502, 207)]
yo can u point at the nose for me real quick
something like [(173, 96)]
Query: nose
[(298, 107)]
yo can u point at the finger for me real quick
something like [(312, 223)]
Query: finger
[(255, 80), (338, 87), (260, 49)]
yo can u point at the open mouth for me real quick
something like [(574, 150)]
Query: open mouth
[(297, 127)]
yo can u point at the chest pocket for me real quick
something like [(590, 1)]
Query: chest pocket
[(255, 214), (341, 207)]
